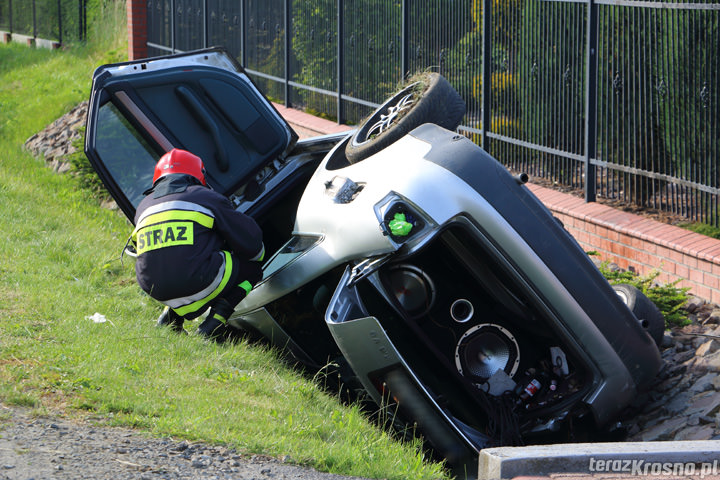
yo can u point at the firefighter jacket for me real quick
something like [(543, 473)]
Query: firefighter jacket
[(186, 237)]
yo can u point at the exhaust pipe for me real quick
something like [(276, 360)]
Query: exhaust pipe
[(461, 310), (522, 178)]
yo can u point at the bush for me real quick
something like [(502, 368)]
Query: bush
[(669, 298)]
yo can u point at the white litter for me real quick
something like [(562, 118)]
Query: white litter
[(99, 318)]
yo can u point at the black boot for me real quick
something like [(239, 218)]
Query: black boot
[(215, 326), (168, 318)]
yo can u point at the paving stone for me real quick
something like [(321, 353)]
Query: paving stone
[(664, 430), (692, 433), (709, 363), (704, 383), (705, 404), (708, 346)]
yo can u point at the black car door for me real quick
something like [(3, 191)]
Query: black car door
[(200, 101)]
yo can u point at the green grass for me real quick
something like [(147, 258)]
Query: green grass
[(59, 264)]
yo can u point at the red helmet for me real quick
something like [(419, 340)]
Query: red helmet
[(180, 161)]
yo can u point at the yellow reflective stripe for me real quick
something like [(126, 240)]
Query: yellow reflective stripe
[(169, 234), (247, 286), (172, 215), (197, 305), (260, 256)]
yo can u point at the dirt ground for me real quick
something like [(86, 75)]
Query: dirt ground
[(56, 448)]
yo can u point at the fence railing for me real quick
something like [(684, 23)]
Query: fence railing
[(53, 20), (619, 98)]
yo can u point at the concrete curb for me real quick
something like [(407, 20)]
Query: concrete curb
[(684, 458)]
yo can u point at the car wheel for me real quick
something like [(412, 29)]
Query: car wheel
[(430, 100), (647, 313)]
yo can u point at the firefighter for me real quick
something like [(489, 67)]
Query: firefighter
[(194, 250)]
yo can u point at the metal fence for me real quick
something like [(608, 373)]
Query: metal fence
[(619, 98), (55, 20)]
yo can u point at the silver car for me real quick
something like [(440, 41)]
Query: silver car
[(405, 256)]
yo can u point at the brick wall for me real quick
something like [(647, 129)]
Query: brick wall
[(137, 29), (640, 244)]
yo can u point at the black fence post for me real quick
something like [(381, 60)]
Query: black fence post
[(10, 16), (288, 38), (591, 102), (172, 26), (34, 13), (405, 59), (81, 20), (59, 4), (340, 61), (486, 74), (243, 44), (205, 23)]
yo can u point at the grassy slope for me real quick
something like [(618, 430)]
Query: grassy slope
[(59, 263)]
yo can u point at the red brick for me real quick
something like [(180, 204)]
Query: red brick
[(701, 291), (624, 238), (582, 237), (690, 261), (711, 281), (137, 29), (676, 256), (712, 254), (703, 265), (696, 276), (671, 235), (641, 226), (701, 243), (664, 277), (682, 271)]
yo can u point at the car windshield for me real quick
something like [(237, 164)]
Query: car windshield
[(127, 157)]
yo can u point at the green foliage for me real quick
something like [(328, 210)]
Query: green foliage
[(703, 229), (107, 28), (550, 72), (685, 65), (669, 298), (372, 47)]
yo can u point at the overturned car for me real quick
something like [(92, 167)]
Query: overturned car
[(403, 253)]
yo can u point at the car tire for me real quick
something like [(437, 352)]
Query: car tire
[(647, 313), (409, 108)]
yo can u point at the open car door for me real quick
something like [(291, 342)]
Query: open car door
[(200, 101)]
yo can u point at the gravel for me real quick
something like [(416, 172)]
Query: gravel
[(56, 448)]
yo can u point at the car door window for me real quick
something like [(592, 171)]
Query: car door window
[(127, 156)]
